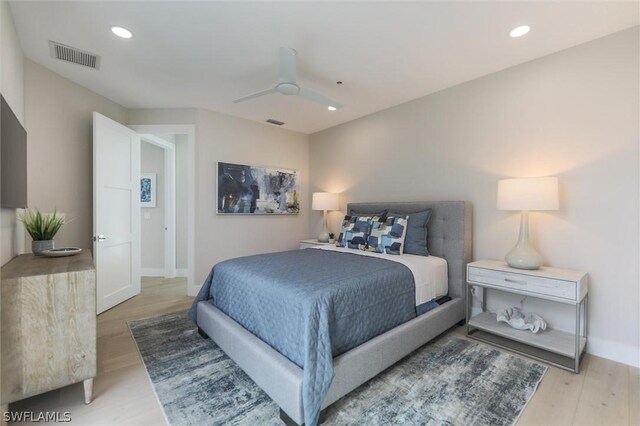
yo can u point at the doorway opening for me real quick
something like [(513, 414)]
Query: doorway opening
[(164, 212), (174, 268)]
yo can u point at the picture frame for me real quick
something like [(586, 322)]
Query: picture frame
[(244, 189), (148, 189)]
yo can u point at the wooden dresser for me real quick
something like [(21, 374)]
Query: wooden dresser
[(48, 325)]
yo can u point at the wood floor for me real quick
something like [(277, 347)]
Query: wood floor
[(605, 392)]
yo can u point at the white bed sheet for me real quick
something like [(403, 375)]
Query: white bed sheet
[(429, 272)]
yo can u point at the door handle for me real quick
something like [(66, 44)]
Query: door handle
[(99, 238)]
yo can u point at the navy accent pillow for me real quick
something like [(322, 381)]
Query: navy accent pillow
[(415, 241), (381, 213)]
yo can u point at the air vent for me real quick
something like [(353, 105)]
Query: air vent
[(276, 122), (73, 55)]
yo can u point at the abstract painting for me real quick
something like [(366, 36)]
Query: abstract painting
[(244, 189), (147, 189)]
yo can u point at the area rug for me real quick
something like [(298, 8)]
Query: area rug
[(450, 381)]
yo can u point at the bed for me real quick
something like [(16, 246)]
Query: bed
[(306, 347)]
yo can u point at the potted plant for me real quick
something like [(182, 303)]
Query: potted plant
[(42, 227), (332, 238)]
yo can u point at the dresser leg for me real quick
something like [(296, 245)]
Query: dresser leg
[(88, 390)]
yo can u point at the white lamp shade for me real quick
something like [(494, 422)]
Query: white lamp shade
[(324, 201), (528, 194)]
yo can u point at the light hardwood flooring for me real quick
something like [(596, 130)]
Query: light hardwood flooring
[(605, 392)]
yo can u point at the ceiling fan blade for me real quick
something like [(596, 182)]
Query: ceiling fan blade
[(316, 97), (287, 65), (255, 95)]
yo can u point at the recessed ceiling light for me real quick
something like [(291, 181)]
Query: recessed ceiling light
[(121, 32), (519, 31), (331, 108)]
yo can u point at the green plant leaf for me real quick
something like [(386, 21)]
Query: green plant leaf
[(42, 226)]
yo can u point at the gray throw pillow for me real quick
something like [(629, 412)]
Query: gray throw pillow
[(415, 241)]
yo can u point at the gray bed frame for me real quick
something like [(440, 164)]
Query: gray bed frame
[(449, 236)]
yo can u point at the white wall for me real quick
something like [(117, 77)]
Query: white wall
[(163, 116), (12, 88), (153, 218), (573, 114), (181, 201), (12, 64), (59, 149)]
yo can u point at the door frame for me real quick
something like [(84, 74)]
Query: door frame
[(169, 150), (190, 131)]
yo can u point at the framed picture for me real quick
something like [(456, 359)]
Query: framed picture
[(147, 189), (246, 189)]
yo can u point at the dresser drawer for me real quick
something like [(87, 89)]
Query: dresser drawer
[(540, 285)]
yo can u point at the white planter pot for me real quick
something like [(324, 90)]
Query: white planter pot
[(37, 247)]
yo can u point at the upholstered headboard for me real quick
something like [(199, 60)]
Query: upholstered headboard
[(449, 233)]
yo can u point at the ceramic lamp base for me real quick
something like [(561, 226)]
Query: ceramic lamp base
[(324, 235), (524, 255)]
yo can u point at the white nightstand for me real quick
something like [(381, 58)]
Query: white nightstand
[(556, 347), (312, 243)]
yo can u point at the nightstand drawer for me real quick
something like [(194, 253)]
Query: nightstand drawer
[(522, 282), (308, 245), (304, 244)]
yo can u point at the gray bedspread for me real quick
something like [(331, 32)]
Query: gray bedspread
[(311, 305)]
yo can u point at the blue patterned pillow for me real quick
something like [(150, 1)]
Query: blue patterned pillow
[(387, 235), (354, 233)]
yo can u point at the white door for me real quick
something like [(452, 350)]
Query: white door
[(116, 211)]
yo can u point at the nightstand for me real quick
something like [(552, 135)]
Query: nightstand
[(560, 348), (312, 243)]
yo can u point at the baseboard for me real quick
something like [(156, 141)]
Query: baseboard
[(159, 272), (626, 354), (152, 272)]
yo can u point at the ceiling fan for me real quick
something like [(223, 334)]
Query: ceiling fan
[(287, 84)]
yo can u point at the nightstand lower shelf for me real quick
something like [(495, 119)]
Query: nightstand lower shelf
[(553, 346)]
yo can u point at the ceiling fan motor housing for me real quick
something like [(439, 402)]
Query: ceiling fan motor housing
[(288, 88)]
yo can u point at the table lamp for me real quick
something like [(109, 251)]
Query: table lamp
[(324, 201), (527, 194)]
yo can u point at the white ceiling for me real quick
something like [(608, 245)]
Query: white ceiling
[(205, 54)]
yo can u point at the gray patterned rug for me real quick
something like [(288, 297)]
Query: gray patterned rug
[(449, 381)]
